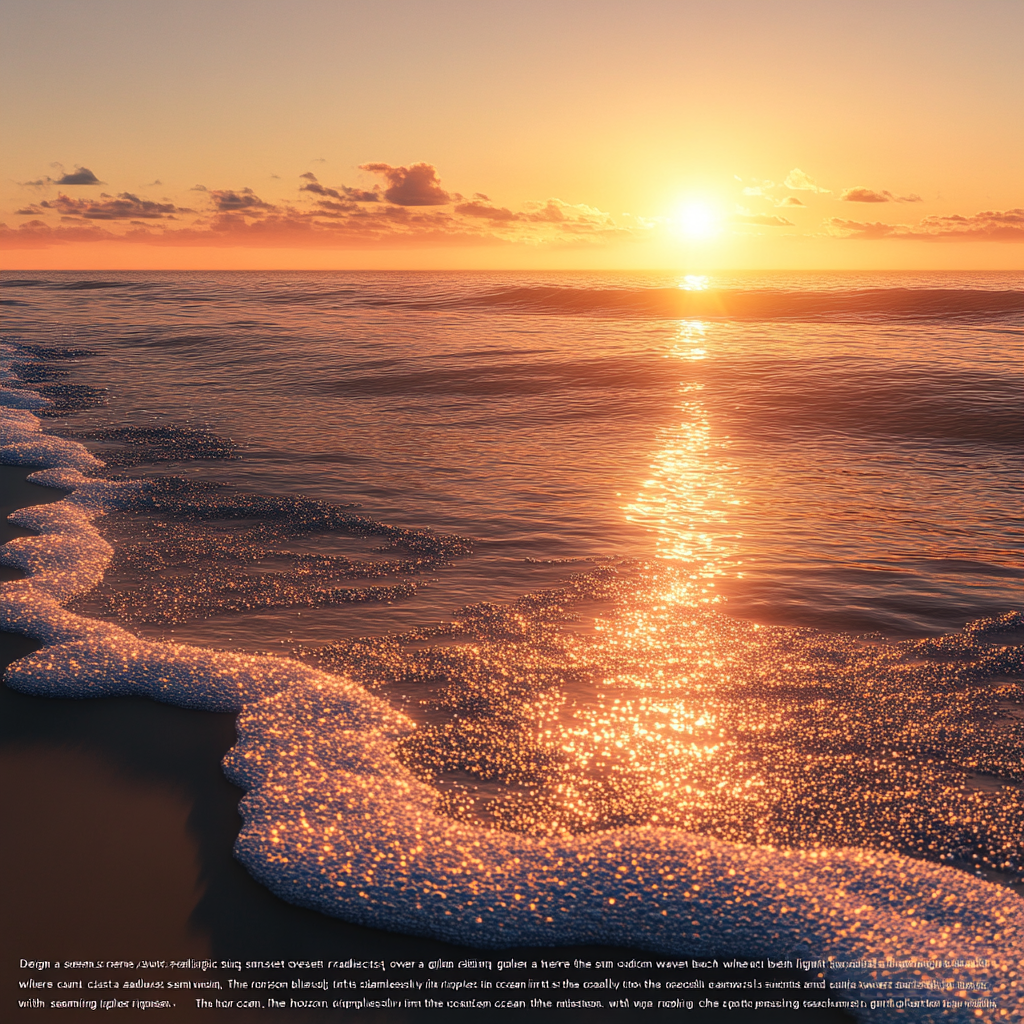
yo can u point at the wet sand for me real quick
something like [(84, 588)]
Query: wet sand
[(120, 830)]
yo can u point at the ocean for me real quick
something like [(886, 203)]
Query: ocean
[(673, 612)]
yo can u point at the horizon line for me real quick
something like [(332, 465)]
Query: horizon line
[(512, 270)]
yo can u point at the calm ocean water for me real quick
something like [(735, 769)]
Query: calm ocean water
[(696, 554)]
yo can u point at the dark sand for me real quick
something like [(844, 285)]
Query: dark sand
[(119, 833)]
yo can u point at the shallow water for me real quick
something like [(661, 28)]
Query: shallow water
[(629, 551)]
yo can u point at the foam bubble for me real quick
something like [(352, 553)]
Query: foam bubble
[(22, 442)]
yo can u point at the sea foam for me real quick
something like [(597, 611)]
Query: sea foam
[(335, 822)]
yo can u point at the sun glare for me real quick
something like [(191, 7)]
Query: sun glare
[(696, 220), (694, 283)]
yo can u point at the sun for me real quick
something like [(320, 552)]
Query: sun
[(696, 219)]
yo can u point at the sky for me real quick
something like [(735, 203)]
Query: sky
[(695, 134)]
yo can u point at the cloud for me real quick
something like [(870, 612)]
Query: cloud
[(416, 185), (865, 229), (232, 201), (476, 208), (552, 211), (800, 181), (764, 219), (360, 195), (123, 207), (343, 193), (790, 201), (314, 186), (79, 176), (867, 195), (864, 195), (987, 226), (560, 212)]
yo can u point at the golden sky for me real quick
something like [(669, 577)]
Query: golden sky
[(720, 134)]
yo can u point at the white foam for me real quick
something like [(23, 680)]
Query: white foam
[(334, 822), (22, 442)]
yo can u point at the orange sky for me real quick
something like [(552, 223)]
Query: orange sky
[(702, 135)]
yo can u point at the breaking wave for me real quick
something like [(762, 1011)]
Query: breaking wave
[(864, 305)]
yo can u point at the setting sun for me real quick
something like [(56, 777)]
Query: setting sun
[(696, 220)]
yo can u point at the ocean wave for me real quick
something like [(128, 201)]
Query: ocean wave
[(90, 285), (860, 305), (768, 396), (792, 298)]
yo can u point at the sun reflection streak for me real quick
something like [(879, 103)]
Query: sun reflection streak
[(694, 283), (686, 498), (690, 341), (658, 730)]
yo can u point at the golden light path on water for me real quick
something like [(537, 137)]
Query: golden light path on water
[(658, 726)]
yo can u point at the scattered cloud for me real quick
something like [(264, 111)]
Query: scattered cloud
[(801, 181), (343, 193), (987, 226), (122, 207), (231, 201), (865, 229), (79, 176), (864, 195), (411, 209), (868, 195), (416, 185), (764, 219), (479, 208), (555, 211)]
